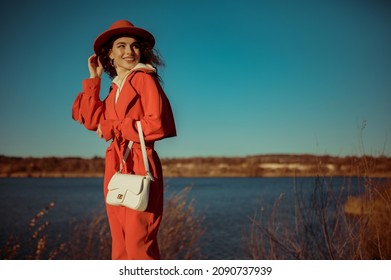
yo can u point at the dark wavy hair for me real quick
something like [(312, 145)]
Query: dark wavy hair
[(148, 54)]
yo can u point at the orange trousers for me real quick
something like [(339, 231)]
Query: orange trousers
[(134, 233)]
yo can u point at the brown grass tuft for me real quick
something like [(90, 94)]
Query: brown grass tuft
[(325, 227), (181, 228), (90, 238)]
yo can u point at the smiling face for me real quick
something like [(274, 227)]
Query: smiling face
[(125, 54)]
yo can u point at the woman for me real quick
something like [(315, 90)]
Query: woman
[(126, 54)]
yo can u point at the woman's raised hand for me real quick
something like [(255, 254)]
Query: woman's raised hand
[(95, 66)]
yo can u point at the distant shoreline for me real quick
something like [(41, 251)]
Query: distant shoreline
[(250, 166)]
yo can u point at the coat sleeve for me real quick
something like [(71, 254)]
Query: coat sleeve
[(157, 120), (87, 108)]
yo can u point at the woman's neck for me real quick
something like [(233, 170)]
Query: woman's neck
[(121, 75)]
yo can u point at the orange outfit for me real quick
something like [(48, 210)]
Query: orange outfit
[(134, 233)]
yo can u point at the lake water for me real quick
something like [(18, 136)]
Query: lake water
[(227, 205)]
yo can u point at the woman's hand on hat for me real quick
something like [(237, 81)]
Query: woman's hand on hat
[(95, 66)]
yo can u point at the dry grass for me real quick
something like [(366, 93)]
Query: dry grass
[(90, 239), (181, 228), (372, 211), (35, 247), (326, 227)]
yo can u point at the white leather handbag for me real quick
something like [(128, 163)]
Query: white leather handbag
[(131, 190)]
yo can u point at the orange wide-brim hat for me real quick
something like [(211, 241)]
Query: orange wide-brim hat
[(122, 27)]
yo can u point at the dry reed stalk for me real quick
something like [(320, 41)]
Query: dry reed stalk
[(178, 235), (181, 228), (10, 249), (326, 227), (90, 238), (372, 211), (36, 246)]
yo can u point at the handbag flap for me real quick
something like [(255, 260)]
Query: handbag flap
[(130, 182)]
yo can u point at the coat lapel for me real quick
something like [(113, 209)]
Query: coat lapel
[(125, 98), (111, 113)]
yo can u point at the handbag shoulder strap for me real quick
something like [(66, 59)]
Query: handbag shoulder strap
[(143, 150)]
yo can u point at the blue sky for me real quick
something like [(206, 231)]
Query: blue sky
[(244, 77)]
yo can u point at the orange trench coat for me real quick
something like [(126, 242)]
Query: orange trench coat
[(134, 233)]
